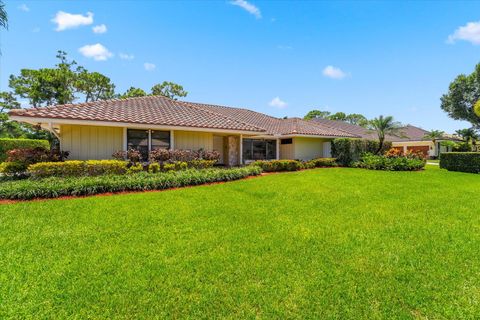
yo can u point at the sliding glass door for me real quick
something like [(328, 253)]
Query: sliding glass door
[(256, 149)]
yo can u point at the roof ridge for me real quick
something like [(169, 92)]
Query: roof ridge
[(332, 127), (194, 106)]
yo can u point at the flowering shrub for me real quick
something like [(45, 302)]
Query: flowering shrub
[(394, 163), (159, 155), (7, 144)]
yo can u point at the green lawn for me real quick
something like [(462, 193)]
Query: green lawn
[(324, 243)]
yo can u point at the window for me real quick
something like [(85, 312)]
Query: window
[(138, 140), (254, 149), (286, 141), (146, 140)]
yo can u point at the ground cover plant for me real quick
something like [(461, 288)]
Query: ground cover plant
[(338, 243), (140, 181)]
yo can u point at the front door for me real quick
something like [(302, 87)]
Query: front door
[(218, 146)]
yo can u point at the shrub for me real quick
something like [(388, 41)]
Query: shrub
[(56, 187), (159, 155), (10, 169), (308, 165), (460, 161), (134, 156), (100, 167), (462, 147), (279, 165), (57, 169), (28, 155), (324, 162), (10, 144), (77, 168), (401, 163), (347, 151), (201, 164), (154, 168), (135, 168)]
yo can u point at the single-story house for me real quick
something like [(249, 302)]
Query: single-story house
[(410, 138), (95, 130)]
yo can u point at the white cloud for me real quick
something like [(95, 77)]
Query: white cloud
[(65, 20), (24, 7), (149, 66), (126, 56), (101, 28), (247, 6), (333, 72), (278, 103), (469, 32), (96, 51)]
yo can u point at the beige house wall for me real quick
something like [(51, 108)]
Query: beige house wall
[(90, 142), (287, 151), (308, 148), (193, 140)]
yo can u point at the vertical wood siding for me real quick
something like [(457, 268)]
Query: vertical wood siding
[(192, 140), (90, 142)]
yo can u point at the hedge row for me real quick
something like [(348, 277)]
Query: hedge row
[(294, 165), (56, 187), (376, 162), (347, 150), (460, 161), (7, 144)]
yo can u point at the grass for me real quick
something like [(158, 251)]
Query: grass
[(324, 243)]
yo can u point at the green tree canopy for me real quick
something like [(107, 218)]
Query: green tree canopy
[(340, 116), (463, 94), (47, 86), (94, 86), (357, 119), (169, 89), (316, 114), (133, 92), (469, 135)]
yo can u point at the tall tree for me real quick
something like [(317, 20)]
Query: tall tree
[(339, 116), (434, 135), (463, 94), (169, 89), (357, 119), (384, 126), (47, 86), (316, 114), (9, 129), (94, 86), (469, 135), (133, 92), (3, 16)]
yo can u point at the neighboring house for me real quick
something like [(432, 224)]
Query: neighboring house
[(95, 130), (409, 138)]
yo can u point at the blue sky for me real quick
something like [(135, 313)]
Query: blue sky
[(281, 58)]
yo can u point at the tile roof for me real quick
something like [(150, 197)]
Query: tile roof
[(158, 110), (406, 133)]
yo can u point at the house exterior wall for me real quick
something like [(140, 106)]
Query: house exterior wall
[(193, 140), (287, 151), (90, 142), (308, 148)]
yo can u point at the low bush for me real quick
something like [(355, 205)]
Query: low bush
[(75, 168), (201, 164), (398, 163), (347, 150), (10, 144), (56, 187), (278, 165), (12, 169), (460, 161), (324, 162)]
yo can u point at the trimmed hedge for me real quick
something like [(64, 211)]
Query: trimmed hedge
[(7, 144), (278, 165), (323, 162), (375, 162), (347, 150), (77, 168), (56, 187), (460, 161)]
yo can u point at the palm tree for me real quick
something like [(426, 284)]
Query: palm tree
[(3, 16), (434, 135), (384, 126), (468, 135)]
